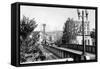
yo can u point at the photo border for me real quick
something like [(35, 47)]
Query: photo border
[(18, 4)]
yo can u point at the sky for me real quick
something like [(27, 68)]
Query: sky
[(54, 18)]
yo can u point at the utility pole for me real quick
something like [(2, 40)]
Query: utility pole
[(83, 35)]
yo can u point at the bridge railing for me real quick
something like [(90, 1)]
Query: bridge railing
[(61, 53), (88, 48)]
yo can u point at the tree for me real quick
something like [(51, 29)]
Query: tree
[(92, 34), (26, 27), (58, 42), (70, 31)]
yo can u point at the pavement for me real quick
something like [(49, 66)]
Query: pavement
[(47, 54)]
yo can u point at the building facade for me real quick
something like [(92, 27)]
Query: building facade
[(79, 37)]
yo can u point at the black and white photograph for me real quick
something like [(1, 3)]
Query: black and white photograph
[(54, 34), (50, 34)]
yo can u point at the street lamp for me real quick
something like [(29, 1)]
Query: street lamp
[(83, 15)]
